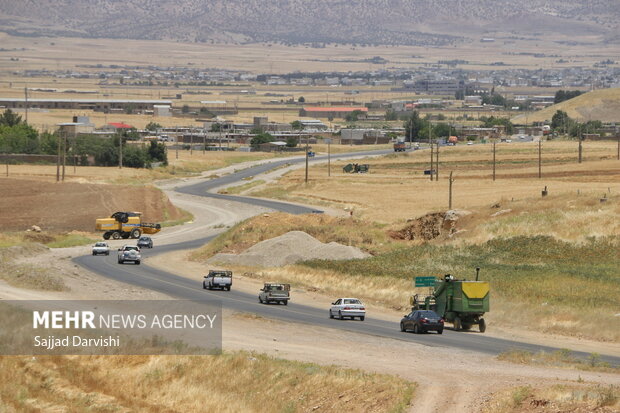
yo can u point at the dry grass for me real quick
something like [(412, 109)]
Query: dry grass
[(25, 275), (561, 358), (556, 398), (395, 189), (231, 382)]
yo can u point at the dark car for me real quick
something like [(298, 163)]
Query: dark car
[(421, 321), (145, 242)]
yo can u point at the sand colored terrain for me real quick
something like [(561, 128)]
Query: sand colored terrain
[(73, 206), (602, 104)]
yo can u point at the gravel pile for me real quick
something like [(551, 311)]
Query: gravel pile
[(287, 249)]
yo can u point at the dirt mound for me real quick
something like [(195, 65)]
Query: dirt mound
[(73, 206), (290, 248), (430, 226)]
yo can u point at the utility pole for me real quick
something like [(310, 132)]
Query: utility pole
[(580, 148), (58, 158), (191, 145), (64, 154), (618, 154), (120, 151), (437, 162), (494, 143), (329, 165), (204, 141), (430, 142), (451, 180), (540, 158), (26, 101), (307, 138)]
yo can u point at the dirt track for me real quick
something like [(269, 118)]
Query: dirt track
[(27, 202)]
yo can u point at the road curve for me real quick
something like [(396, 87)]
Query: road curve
[(161, 281)]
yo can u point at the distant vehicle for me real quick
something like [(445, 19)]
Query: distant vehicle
[(422, 321), (129, 253), (311, 154), (453, 140), (145, 242), (399, 147), (416, 146), (101, 248), (274, 293), (217, 279), (347, 307), (470, 143)]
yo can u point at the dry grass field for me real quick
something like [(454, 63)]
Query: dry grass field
[(396, 189), (232, 382)]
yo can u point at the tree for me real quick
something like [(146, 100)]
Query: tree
[(185, 109), (493, 121), (562, 95), (390, 115), (19, 138), (48, 143), (152, 126), (259, 139), (413, 126), (352, 117), (291, 141), (157, 152), (560, 122), (10, 118), (297, 125), (301, 99), (442, 130), (216, 127)]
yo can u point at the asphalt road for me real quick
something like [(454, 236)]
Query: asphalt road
[(184, 288)]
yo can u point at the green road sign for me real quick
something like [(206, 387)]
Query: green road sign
[(424, 281)]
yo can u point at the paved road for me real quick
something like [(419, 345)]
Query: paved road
[(184, 288)]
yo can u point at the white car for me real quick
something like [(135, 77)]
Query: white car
[(101, 248), (347, 307), (129, 253), (470, 143)]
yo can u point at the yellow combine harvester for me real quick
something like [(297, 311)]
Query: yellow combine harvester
[(125, 225)]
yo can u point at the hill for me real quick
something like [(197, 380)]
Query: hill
[(602, 104), (413, 22)]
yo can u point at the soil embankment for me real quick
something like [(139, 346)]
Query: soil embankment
[(74, 206)]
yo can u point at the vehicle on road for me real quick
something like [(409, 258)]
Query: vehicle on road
[(274, 293), (460, 302), (422, 321), (347, 307), (400, 147), (217, 279), (145, 242), (101, 248), (129, 253), (470, 143), (125, 225)]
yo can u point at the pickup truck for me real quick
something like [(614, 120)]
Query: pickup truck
[(129, 253), (274, 293), (217, 279)]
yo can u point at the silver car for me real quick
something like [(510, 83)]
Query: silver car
[(129, 253), (101, 248), (347, 307)]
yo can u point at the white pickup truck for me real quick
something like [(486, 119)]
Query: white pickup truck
[(129, 253), (217, 279)]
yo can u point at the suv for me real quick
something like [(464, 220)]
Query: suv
[(274, 293), (129, 253), (145, 242), (217, 278), (101, 248)]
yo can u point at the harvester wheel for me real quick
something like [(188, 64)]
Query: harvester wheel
[(135, 233), (125, 235), (482, 325), (107, 235), (116, 235), (457, 323)]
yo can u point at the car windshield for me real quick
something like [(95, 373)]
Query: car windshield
[(101, 244), (428, 314), (352, 301), (131, 249), (144, 238)]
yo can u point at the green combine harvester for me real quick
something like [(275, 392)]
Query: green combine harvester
[(460, 302)]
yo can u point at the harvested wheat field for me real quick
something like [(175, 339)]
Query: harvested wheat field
[(72, 206)]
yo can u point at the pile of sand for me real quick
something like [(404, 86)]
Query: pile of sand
[(430, 226), (287, 249)]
